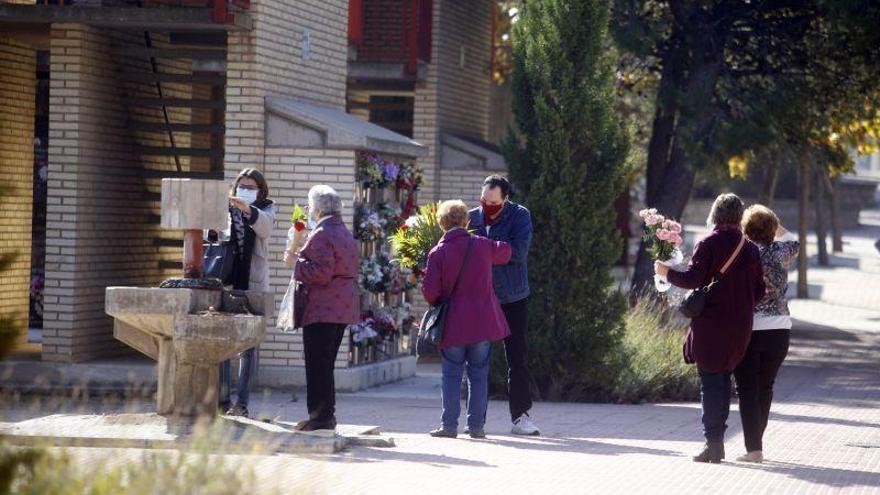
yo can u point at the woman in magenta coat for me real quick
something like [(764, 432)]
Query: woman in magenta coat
[(474, 320), (327, 266), (719, 336)]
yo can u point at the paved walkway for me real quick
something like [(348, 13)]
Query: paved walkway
[(823, 437)]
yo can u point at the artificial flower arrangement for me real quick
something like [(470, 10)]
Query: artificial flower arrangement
[(664, 238), (373, 171), (392, 321), (382, 324), (409, 180), (362, 332), (401, 278), (374, 274), (377, 224), (368, 226), (409, 177), (416, 237)]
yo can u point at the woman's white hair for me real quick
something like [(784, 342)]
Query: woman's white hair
[(324, 200)]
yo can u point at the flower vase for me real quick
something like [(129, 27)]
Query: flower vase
[(675, 258)]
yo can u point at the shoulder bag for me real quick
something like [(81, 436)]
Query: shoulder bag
[(695, 301), (219, 260), (434, 320)]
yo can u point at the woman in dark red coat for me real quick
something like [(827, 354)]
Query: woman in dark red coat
[(474, 319), (327, 266), (718, 337)]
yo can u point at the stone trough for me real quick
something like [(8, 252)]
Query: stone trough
[(166, 325), (186, 330)]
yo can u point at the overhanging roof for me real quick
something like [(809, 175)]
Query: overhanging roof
[(301, 124), (460, 151)]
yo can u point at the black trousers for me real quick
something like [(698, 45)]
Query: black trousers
[(320, 344), (516, 350), (754, 382)]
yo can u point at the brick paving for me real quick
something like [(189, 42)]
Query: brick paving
[(823, 436)]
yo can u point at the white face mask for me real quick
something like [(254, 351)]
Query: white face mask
[(248, 195), (312, 223)]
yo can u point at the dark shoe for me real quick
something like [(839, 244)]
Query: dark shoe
[(712, 452), (312, 425), (441, 433), (238, 410), (480, 434)]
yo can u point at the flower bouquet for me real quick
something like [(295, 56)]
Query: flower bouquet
[(363, 333), (374, 274), (416, 237), (664, 237), (373, 171), (368, 226), (409, 180), (299, 218)]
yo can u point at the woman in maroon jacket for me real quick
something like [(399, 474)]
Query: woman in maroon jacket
[(327, 266), (719, 336), (474, 318)]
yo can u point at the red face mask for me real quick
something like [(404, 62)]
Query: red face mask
[(490, 210)]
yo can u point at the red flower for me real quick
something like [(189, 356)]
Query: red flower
[(299, 226)]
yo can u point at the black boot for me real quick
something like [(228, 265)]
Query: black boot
[(712, 452)]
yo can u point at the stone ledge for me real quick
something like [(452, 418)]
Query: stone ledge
[(347, 379)]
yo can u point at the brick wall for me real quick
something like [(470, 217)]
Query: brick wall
[(465, 29), (454, 97), (384, 39), (17, 100), (98, 221), (291, 173), (268, 61), (464, 184), (279, 28)]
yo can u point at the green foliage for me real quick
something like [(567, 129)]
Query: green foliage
[(411, 245), (654, 368), (570, 167), (8, 330), (172, 474)]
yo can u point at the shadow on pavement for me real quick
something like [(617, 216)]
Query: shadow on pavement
[(832, 477)]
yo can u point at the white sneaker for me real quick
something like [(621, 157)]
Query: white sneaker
[(524, 425)]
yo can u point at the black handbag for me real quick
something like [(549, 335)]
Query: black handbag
[(219, 260), (434, 320), (300, 301), (236, 302), (694, 302)]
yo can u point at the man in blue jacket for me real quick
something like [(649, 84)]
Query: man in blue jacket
[(500, 219)]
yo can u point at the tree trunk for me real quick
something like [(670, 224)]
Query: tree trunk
[(819, 215), (803, 224), (768, 190), (832, 186)]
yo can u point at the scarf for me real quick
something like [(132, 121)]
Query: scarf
[(243, 238)]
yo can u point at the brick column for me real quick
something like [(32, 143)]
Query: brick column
[(98, 232)]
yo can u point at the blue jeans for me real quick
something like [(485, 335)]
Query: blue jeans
[(476, 358), (715, 399), (245, 370)]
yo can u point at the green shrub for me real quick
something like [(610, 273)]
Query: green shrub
[(654, 369), (197, 468), (569, 163)]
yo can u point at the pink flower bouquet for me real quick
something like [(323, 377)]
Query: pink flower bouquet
[(664, 238)]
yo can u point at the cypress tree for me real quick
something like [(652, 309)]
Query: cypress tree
[(568, 162)]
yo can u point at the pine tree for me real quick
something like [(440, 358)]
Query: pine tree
[(568, 162)]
